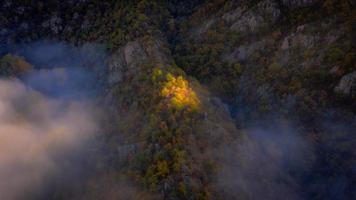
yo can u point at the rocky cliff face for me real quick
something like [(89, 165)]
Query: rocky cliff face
[(346, 85), (267, 45)]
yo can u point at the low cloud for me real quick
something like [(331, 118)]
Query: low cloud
[(48, 121), (36, 133), (265, 164)]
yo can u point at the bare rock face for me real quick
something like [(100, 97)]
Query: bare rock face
[(126, 60), (299, 39), (265, 13), (243, 19), (129, 58), (248, 22), (347, 85)]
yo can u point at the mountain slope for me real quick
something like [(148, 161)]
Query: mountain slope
[(187, 86)]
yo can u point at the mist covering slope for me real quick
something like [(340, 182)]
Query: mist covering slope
[(222, 99)]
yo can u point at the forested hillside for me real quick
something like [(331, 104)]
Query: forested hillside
[(177, 99)]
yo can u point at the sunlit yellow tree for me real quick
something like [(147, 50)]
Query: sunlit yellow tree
[(179, 93)]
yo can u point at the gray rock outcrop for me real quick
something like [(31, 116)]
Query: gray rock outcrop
[(347, 85)]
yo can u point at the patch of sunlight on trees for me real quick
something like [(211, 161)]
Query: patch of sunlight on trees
[(179, 93)]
